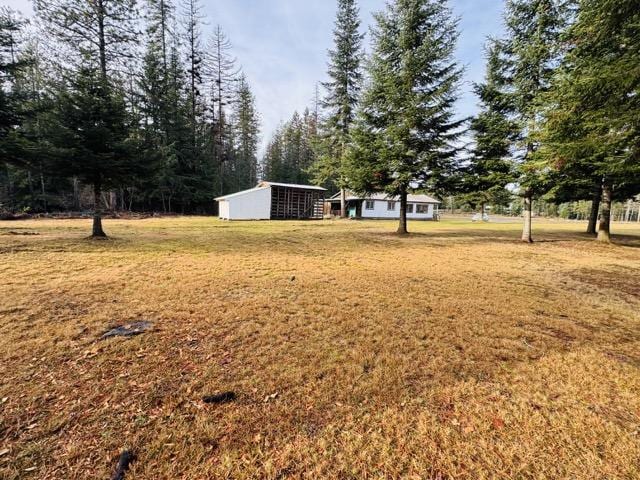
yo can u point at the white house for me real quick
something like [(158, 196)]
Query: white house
[(273, 201), (381, 206)]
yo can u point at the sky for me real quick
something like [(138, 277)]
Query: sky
[(282, 46)]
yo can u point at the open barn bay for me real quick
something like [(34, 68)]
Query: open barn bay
[(456, 352)]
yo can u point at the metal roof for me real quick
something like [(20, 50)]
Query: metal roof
[(264, 185), (237, 194), (385, 197), (292, 185)]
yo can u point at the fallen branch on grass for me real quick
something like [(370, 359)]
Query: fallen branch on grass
[(219, 398)]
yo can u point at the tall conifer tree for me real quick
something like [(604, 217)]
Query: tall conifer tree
[(592, 122), (532, 50), (95, 37), (491, 169), (406, 135), (343, 90), (247, 131)]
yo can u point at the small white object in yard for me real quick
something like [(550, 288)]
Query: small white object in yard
[(478, 217), (4, 452), (268, 398)]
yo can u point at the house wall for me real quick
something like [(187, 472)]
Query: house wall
[(380, 211), (223, 209), (253, 205)]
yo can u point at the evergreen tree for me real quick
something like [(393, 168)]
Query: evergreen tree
[(11, 117), (247, 132), (196, 176), (91, 129), (32, 87), (102, 32), (292, 140), (165, 116), (192, 19), (290, 153), (160, 17), (343, 91), (95, 36), (532, 50), (223, 74), (406, 133), (491, 170), (10, 98), (594, 106), (272, 162)]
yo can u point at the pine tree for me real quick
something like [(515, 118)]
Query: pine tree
[(292, 139), (160, 17), (246, 126), (11, 64), (594, 105), (192, 19), (11, 114), (94, 36), (272, 162), (222, 72), (532, 50), (405, 136), (99, 31), (491, 170), (162, 104), (91, 130), (343, 91), (290, 152)]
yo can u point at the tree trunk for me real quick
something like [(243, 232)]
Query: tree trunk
[(97, 215), (43, 192), (595, 209), (10, 188), (526, 230), (402, 227), (31, 190), (343, 203), (102, 43), (163, 25), (604, 232), (627, 213)]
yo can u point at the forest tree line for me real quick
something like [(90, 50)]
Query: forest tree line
[(126, 101)]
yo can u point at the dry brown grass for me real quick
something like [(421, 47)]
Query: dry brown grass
[(457, 352)]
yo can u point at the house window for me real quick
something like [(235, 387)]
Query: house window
[(391, 206), (422, 209), (409, 207), (368, 205)]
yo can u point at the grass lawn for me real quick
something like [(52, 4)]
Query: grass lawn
[(455, 353)]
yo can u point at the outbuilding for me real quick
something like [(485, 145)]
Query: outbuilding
[(381, 206), (274, 201)]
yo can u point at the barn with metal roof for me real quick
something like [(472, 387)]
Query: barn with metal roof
[(274, 201)]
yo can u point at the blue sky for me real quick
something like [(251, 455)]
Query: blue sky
[(282, 46)]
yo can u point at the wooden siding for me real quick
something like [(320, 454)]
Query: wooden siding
[(289, 203)]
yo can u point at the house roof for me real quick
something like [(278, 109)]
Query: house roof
[(384, 197), (264, 185)]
